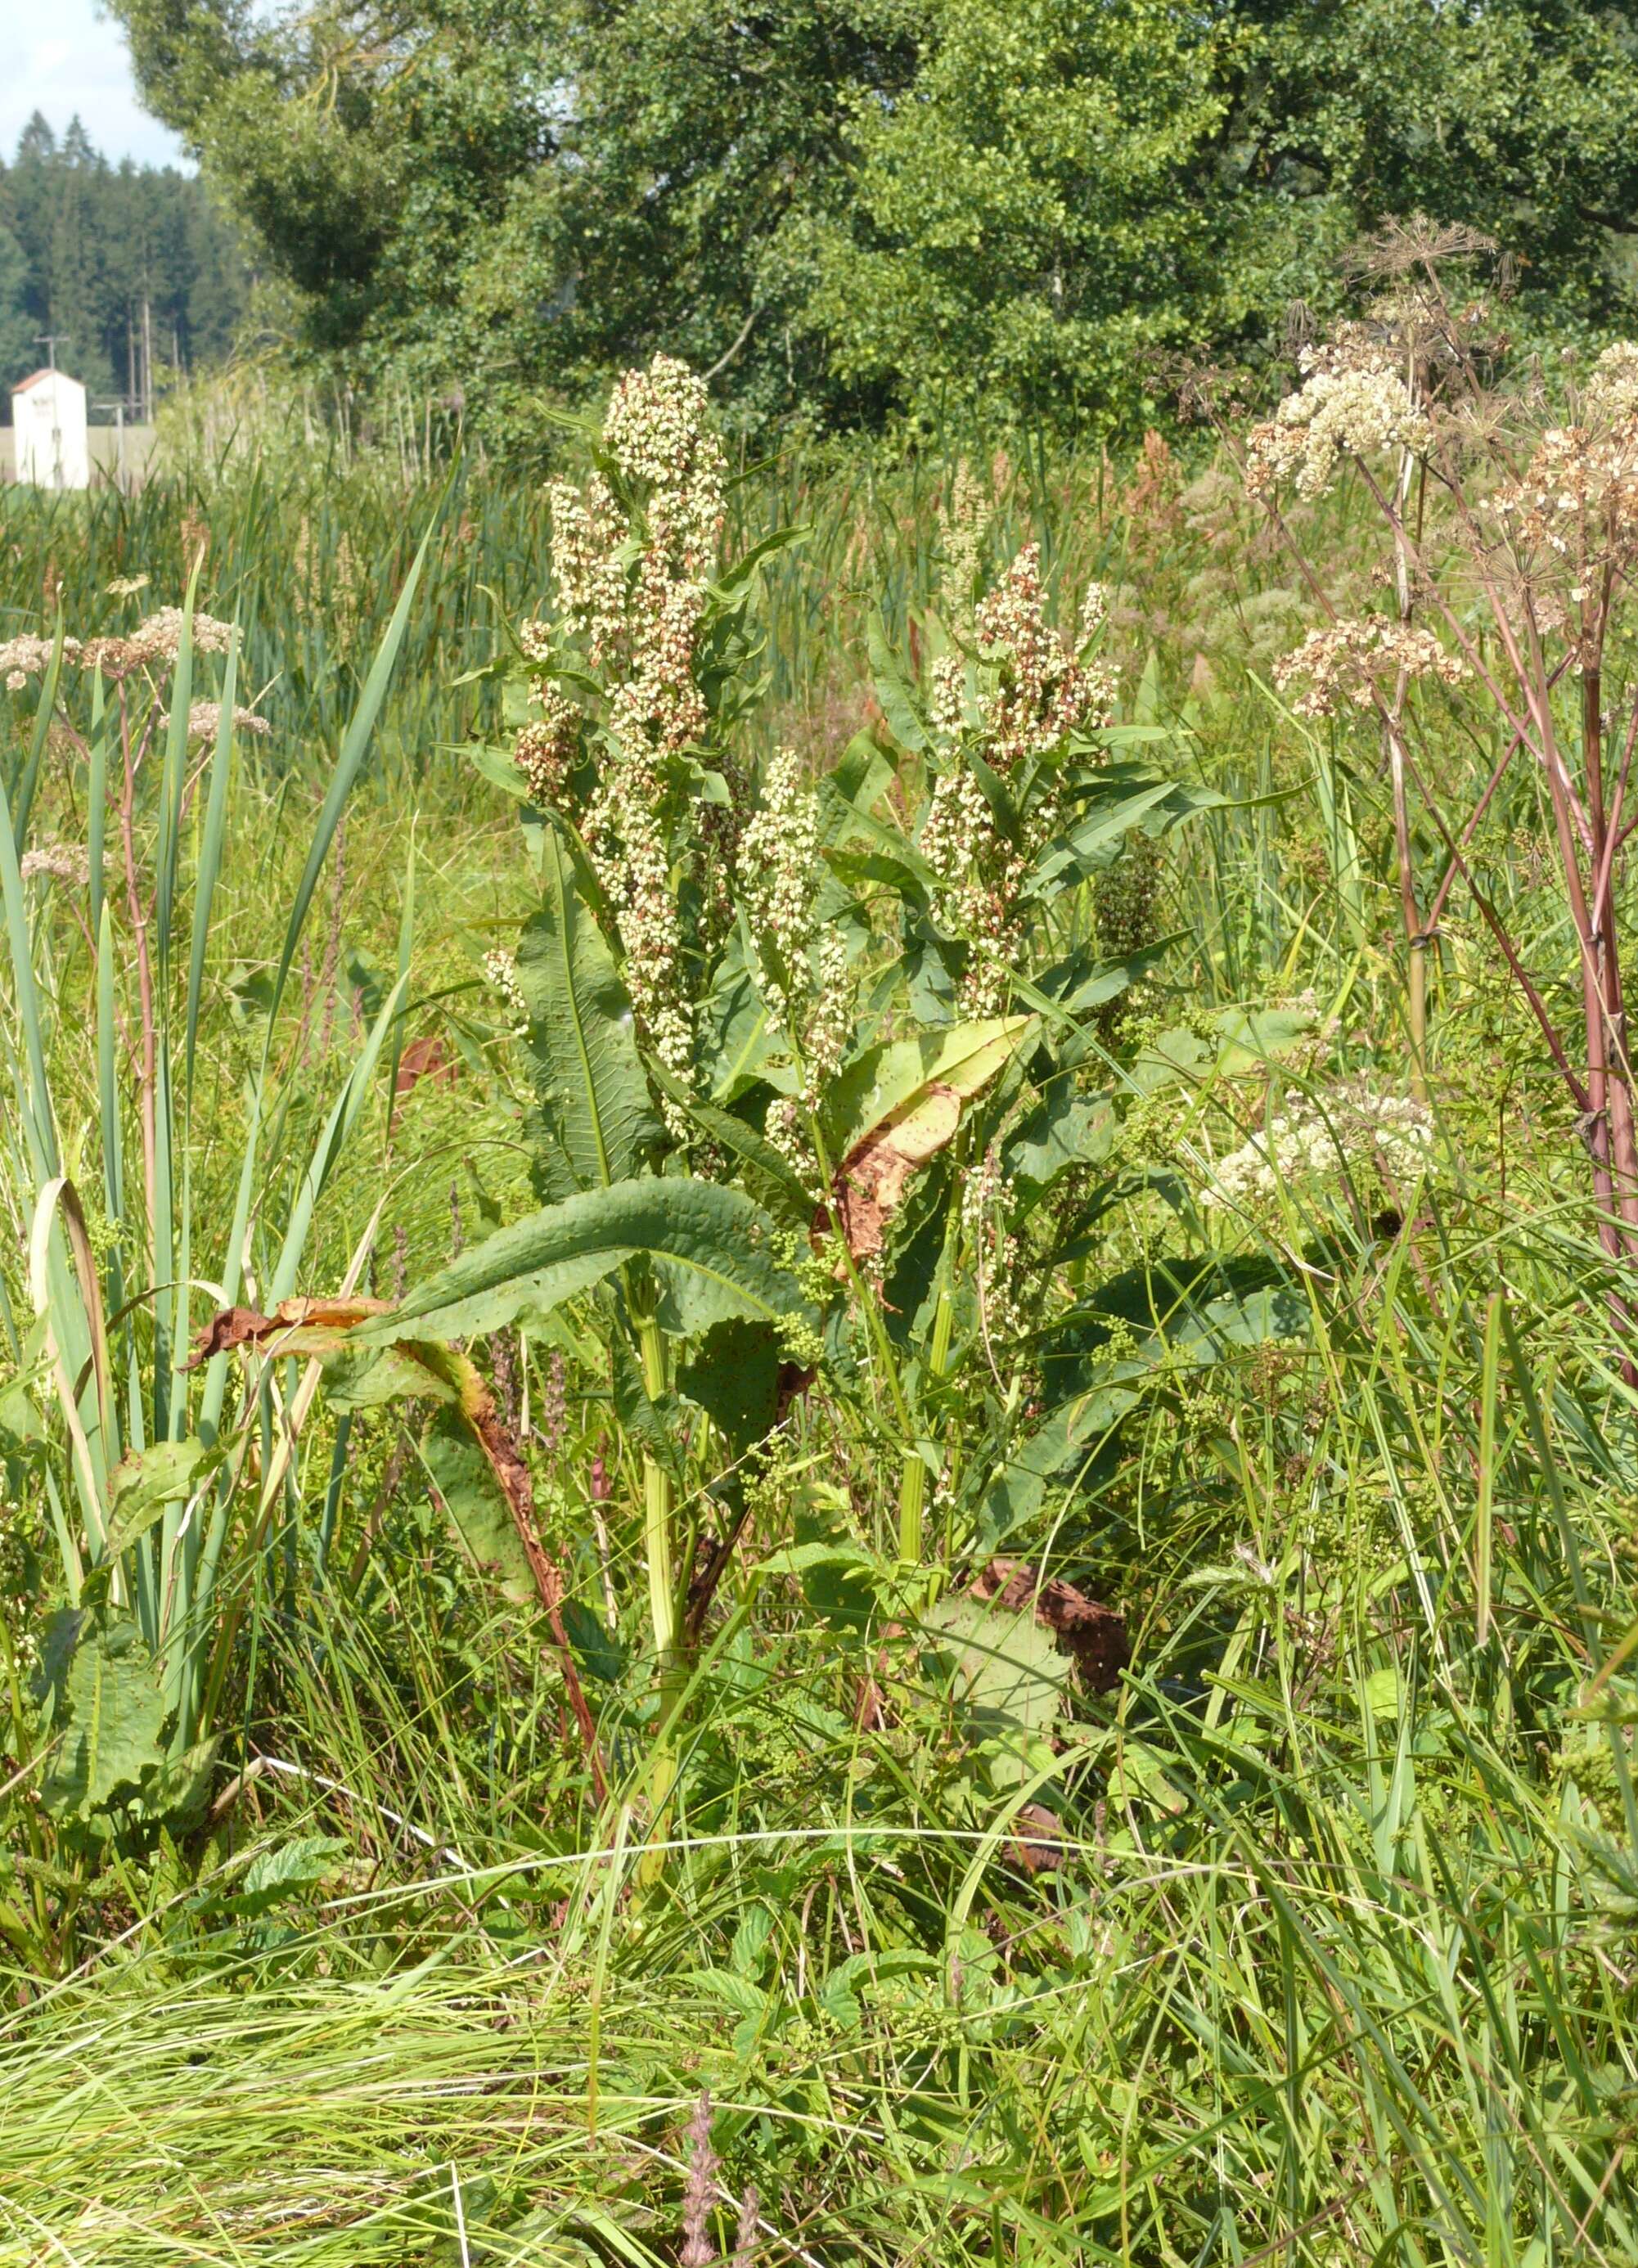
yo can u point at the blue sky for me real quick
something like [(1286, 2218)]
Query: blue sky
[(63, 56)]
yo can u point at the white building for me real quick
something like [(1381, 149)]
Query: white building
[(48, 418)]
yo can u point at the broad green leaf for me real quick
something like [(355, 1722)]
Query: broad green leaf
[(1072, 1435), (140, 1486), (1093, 845), (888, 1080), (896, 702), (478, 1511), (1064, 1130), (775, 1180), (734, 1377), (1005, 1665), (710, 1245), (595, 1116), (370, 1378), (109, 1709), (497, 766)]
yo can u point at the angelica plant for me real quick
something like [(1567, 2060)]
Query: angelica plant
[(1510, 534)]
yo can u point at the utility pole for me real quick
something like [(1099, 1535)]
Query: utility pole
[(51, 341), (118, 408), (147, 360)]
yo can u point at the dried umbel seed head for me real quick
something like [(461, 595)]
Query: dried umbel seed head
[(1356, 661), (1353, 402), (1577, 503), (1612, 390)]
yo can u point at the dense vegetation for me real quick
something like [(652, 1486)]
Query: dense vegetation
[(132, 268), (865, 209), (819, 1432)]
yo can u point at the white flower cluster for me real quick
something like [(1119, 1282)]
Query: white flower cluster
[(1038, 691), (1612, 390), (1352, 657), (155, 643), (204, 721), (631, 592), (58, 862), (1353, 403), (28, 656), (779, 874), (1388, 1135), (501, 969)]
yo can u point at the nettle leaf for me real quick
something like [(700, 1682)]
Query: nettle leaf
[(711, 1247), (735, 1379), (595, 1117), (140, 1487), (286, 1872), (1063, 1130), (479, 1514), (110, 1711)]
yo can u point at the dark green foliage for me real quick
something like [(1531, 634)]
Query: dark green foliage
[(864, 209), (86, 247)]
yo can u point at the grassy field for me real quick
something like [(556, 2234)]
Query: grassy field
[(890, 1912)]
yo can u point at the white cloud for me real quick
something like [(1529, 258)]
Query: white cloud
[(72, 59)]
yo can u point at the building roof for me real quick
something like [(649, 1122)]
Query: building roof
[(37, 376)]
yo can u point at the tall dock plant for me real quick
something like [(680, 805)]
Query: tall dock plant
[(143, 1506), (757, 1010)]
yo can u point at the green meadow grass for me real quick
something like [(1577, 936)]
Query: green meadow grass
[(1334, 1958)]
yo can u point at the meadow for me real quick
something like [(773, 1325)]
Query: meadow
[(818, 1413)]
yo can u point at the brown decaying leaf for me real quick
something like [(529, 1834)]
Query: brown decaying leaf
[(1092, 1636), (425, 1058), (870, 1180), (322, 1320), (1037, 1845)]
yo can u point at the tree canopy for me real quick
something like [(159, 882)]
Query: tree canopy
[(862, 209)]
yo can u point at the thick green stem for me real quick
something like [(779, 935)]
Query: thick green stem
[(912, 1487), (657, 1512)]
